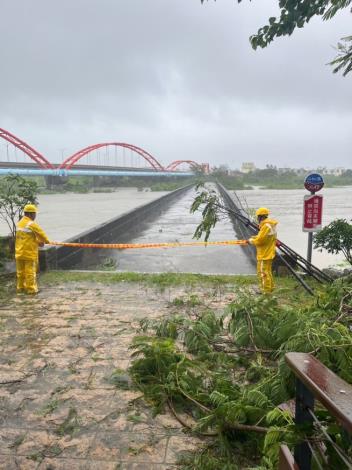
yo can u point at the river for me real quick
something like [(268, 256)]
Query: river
[(65, 215), (177, 224), (287, 207)]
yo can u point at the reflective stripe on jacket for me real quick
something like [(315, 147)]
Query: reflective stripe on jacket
[(265, 241), (28, 236)]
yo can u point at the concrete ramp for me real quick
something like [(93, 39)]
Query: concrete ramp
[(174, 223), (167, 219)]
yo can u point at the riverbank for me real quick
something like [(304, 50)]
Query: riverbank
[(264, 179), (67, 399), (91, 184)]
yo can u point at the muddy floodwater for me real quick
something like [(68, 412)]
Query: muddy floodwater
[(287, 208), (177, 224), (65, 215)]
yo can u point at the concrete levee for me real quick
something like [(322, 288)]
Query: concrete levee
[(243, 232), (117, 230)]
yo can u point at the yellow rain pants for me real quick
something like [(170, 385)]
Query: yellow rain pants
[(29, 236), (265, 275), (26, 276), (265, 243)]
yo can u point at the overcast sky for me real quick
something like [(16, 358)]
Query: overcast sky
[(175, 77)]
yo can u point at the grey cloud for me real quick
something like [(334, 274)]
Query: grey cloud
[(173, 76)]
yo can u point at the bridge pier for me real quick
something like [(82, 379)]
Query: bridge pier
[(52, 181), (99, 181)]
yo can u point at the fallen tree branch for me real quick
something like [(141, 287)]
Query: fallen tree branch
[(344, 309), (237, 427), (179, 419), (251, 330), (249, 427), (243, 349)]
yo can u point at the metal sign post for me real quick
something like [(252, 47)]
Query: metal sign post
[(313, 209), (310, 247)]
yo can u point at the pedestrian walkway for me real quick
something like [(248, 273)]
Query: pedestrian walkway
[(66, 401)]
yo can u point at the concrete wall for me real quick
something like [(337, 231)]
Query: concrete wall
[(240, 228), (118, 230), (245, 232)]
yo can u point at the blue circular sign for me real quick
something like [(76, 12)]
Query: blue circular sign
[(314, 182)]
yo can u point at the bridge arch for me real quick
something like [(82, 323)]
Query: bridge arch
[(173, 165), (27, 149), (70, 161)]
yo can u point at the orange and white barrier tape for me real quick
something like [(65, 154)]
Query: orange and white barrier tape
[(124, 246)]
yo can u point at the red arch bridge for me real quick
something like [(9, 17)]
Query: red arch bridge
[(103, 159)]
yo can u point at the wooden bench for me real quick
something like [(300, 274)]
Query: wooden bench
[(315, 381)]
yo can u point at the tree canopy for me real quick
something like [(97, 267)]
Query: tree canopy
[(336, 238), (15, 193), (295, 14)]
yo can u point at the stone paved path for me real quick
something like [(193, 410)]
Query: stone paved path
[(59, 407)]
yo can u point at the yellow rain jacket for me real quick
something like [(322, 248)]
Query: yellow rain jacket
[(28, 236), (265, 241)]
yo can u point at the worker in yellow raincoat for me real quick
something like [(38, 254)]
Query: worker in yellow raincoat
[(265, 243), (29, 236)]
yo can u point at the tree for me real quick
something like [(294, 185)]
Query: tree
[(295, 14), (336, 238), (221, 170), (343, 60), (207, 201), (15, 193)]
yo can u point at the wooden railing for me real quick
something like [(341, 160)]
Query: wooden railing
[(314, 381)]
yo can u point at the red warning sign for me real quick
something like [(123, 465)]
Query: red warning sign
[(312, 213)]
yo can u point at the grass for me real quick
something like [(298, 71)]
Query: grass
[(164, 279), (7, 286), (136, 418), (70, 425), (95, 357), (17, 442), (287, 288), (48, 451), (51, 406), (192, 301), (120, 379)]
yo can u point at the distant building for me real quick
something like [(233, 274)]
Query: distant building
[(335, 171), (247, 167), (301, 171), (322, 170)]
